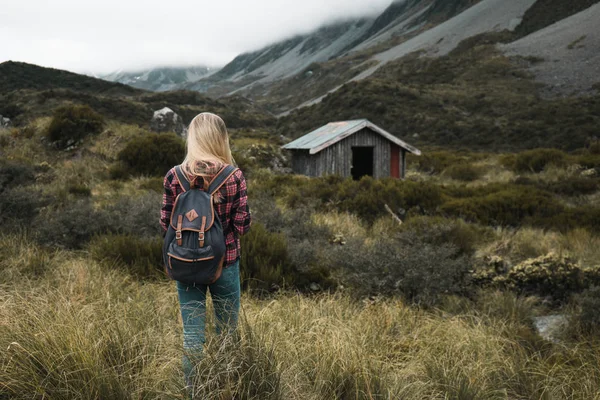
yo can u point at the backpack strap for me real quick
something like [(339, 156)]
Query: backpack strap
[(221, 178), (183, 180)]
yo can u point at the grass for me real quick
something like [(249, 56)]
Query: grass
[(83, 331), (518, 245)]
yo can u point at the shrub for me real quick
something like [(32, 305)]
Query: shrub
[(588, 317), (153, 184), (575, 186), (153, 154), (12, 174), (402, 265), (79, 190), (549, 275), (438, 231), (265, 261), (20, 206), (535, 160), (464, 172), (434, 162), (367, 198), (71, 124), (71, 227), (141, 257), (511, 206), (135, 215)]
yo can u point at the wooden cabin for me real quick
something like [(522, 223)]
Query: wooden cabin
[(350, 148)]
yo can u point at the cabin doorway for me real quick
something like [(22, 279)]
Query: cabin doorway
[(362, 162)]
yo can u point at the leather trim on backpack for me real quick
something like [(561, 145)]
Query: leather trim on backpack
[(212, 209)]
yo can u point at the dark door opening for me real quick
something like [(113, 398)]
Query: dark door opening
[(362, 162)]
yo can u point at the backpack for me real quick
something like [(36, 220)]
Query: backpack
[(194, 246)]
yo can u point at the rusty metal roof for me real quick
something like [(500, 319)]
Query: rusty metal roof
[(333, 132)]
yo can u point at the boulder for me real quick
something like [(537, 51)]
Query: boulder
[(166, 120), (4, 122)]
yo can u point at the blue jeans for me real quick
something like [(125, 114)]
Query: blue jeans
[(225, 293)]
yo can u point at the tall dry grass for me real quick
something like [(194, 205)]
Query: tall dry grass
[(80, 331)]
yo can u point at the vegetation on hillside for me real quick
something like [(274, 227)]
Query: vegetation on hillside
[(19, 75), (472, 98)]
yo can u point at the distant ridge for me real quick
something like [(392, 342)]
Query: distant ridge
[(19, 75)]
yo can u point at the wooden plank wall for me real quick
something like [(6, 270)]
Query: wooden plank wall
[(337, 158)]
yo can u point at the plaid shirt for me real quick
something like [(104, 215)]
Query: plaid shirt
[(232, 209)]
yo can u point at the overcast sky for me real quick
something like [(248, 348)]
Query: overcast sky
[(104, 36)]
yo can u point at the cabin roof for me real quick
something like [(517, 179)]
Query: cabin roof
[(333, 132)]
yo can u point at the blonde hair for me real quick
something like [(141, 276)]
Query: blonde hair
[(207, 146)]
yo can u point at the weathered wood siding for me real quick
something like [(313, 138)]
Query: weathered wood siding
[(337, 158)]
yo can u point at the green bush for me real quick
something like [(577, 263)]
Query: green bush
[(20, 206), (12, 174), (142, 257), (575, 186), (588, 318), (590, 160), (535, 160), (265, 263), (510, 206), (135, 215), (434, 162), (463, 236), (79, 190), (368, 197), (153, 154), (72, 226), (464, 172), (70, 124), (402, 265)]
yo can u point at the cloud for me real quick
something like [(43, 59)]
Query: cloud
[(100, 37)]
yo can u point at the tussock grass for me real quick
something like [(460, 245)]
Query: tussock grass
[(524, 243), (345, 224), (84, 331)]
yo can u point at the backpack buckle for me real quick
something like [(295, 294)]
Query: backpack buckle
[(178, 231)]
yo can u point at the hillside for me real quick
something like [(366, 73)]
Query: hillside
[(29, 91), (19, 75), (475, 97), (568, 52)]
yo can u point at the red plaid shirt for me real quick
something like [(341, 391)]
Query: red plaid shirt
[(232, 209)]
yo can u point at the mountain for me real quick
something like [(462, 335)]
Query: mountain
[(290, 57), (159, 79)]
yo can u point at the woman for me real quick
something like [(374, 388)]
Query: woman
[(207, 152)]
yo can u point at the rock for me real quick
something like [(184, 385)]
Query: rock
[(589, 172), (315, 287), (166, 120), (550, 326), (5, 122)]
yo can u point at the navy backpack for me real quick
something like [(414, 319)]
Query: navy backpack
[(194, 247)]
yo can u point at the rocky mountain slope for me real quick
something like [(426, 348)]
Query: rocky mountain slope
[(159, 79), (567, 53), (292, 56)]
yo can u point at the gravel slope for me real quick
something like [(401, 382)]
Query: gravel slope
[(571, 52), (489, 15)]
